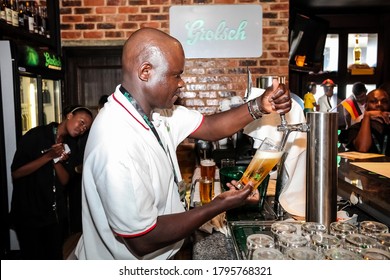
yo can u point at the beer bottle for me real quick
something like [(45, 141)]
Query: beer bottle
[(35, 16), (357, 52), (45, 19), (8, 12), (21, 15), (14, 13), (28, 18), (2, 11)]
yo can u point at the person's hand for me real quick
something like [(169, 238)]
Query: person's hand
[(58, 151), (380, 116), (234, 198), (275, 99), (253, 198)]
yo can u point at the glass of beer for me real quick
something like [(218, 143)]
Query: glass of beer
[(265, 158), (206, 182)]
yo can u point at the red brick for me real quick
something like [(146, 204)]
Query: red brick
[(93, 34), (207, 80), (66, 19), (94, 3)]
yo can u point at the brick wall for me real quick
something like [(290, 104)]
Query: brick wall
[(208, 81)]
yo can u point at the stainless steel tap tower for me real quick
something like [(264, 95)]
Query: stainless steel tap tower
[(321, 168)]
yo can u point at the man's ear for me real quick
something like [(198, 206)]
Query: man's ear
[(145, 71)]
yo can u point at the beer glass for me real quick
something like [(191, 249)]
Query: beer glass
[(255, 241), (372, 228), (207, 168), (206, 182), (265, 158)]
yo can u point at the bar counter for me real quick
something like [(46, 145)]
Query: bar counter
[(371, 190)]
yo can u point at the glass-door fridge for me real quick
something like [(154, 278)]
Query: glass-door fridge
[(31, 82), (39, 78), (40, 101)]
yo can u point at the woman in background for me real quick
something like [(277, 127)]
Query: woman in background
[(43, 164)]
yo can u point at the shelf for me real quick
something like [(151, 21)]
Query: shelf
[(16, 33), (305, 69)]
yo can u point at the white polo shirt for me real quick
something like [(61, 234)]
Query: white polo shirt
[(128, 178)]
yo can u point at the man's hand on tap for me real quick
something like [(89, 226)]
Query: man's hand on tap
[(276, 98)]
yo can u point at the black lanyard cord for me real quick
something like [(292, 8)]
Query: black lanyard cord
[(150, 124)]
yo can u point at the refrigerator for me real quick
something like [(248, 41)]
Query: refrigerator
[(31, 80)]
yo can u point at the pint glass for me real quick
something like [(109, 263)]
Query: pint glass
[(265, 158), (206, 182)]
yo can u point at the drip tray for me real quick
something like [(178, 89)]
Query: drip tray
[(240, 230), (244, 221)]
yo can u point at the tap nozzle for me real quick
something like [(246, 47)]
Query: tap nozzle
[(302, 127)]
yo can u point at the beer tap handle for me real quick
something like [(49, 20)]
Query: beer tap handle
[(283, 120), (286, 131)]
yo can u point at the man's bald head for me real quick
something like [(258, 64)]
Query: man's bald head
[(148, 45)]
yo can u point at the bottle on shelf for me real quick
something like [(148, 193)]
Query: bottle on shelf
[(46, 97), (28, 18), (45, 22), (357, 52), (14, 13), (8, 12), (41, 28), (35, 13), (21, 14), (2, 10)]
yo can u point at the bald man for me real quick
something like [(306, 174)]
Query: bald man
[(132, 208), (373, 132)]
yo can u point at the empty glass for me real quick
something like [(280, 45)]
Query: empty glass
[(383, 240), (255, 241), (341, 230), (375, 254), (322, 242), (303, 253), (359, 242), (267, 254), (290, 241), (341, 254), (311, 228), (371, 228), (280, 228)]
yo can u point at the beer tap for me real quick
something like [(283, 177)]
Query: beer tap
[(288, 128)]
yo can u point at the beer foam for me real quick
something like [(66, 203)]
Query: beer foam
[(268, 154), (207, 162)]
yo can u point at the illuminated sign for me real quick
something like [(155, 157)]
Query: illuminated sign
[(52, 61), (31, 57), (218, 31)]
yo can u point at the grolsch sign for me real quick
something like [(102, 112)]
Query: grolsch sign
[(218, 31)]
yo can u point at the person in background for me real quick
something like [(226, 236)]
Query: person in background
[(132, 207), (102, 101), (359, 90), (329, 102), (309, 100), (373, 132), (42, 166), (326, 101)]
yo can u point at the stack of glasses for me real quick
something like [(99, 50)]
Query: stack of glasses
[(311, 241)]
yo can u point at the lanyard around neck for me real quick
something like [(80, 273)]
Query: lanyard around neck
[(150, 124)]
